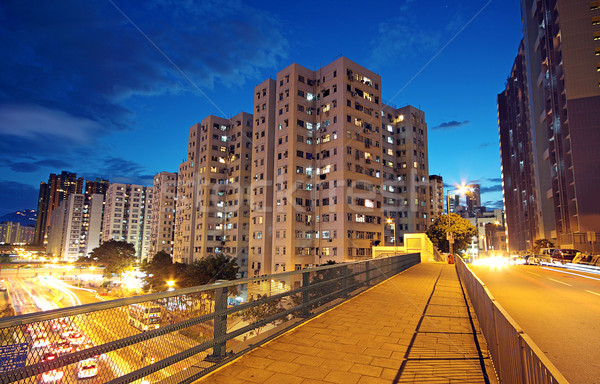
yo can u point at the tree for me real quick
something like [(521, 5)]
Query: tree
[(115, 255), (461, 228), (541, 243), (160, 269), (210, 269)]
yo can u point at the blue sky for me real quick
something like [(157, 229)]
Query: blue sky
[(110, 88)]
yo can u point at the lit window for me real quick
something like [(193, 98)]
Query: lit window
[(309, 96), (390, 128)]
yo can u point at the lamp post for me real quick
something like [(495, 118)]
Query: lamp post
[(390, 222)]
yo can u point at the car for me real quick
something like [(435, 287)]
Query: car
[(76, 338), (40, 342), (58, 324), (87, 368), (67, 332), (563, 255), (52, 376), (50, 355), (539, 259), (62, 346)]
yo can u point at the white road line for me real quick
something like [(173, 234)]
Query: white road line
[(593, 293), (560, 282), (571, 273)]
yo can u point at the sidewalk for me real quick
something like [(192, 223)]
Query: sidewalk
[(412, 328)]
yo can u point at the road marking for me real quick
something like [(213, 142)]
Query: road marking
[(593, 293), (537, 274), (571, 273), (560, 282)]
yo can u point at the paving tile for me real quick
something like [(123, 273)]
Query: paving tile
[(365, 340), (342, 377)]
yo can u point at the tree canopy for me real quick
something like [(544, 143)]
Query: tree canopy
[(116, 256), (541, 243), (461, 229), (209, 269)]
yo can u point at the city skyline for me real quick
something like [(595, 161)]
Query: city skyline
[(115, 100)]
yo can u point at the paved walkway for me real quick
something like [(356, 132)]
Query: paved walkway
[(412, 328)]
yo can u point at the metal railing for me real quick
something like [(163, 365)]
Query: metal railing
[(517, 359), (176, 336)]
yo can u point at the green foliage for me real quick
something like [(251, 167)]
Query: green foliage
[(204, 271), (116, 256), (210, 269), (160, 269), (461, 228), (541, 243)]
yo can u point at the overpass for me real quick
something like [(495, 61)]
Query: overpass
[(386, 320)]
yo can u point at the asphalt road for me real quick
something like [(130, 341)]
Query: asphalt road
[(33, 295), (559, 309)]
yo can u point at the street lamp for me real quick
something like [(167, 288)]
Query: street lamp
[(170, 284), (390, 222)]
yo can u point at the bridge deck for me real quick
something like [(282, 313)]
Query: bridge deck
[(413, 328)]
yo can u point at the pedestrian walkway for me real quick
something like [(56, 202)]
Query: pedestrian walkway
[(413, 328)]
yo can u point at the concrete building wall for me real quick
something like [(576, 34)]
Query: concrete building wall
[(562, 44), (127, 213), (212, 209), (436, 197), (163, 213), (342, 167)]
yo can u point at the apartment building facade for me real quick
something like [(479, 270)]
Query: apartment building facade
[(16, 233), (436, 197), (127, 216), (561, 50), (521, 203), (213, 204), (331, 164), (57, 189), (74, 230), (162, 225)]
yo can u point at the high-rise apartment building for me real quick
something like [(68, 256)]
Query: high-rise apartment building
[(517, 157), (562, 50), (127, 216), (473, 198), (436, 197), (453, 203), (74, 230), (16, 233), (212, 210), (57, 189), (163, 213), (331, 164)]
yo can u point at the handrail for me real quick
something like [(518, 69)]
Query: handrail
[(516, 357), (195, 328)]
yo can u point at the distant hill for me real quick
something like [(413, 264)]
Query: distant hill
[(25, 217)]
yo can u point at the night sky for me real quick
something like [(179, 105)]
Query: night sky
[(110, 88)]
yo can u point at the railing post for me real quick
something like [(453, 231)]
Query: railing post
[(345, 281), (367, 279), (305, 293), (220, 327)]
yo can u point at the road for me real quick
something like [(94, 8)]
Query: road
[(559, 309), (30, 295)]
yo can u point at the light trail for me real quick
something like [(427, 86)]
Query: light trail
[(571, 273)]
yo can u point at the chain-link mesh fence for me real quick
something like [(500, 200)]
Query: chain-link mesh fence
[(175, 336)]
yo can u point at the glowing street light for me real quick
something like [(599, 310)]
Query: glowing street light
[(170, 284)]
